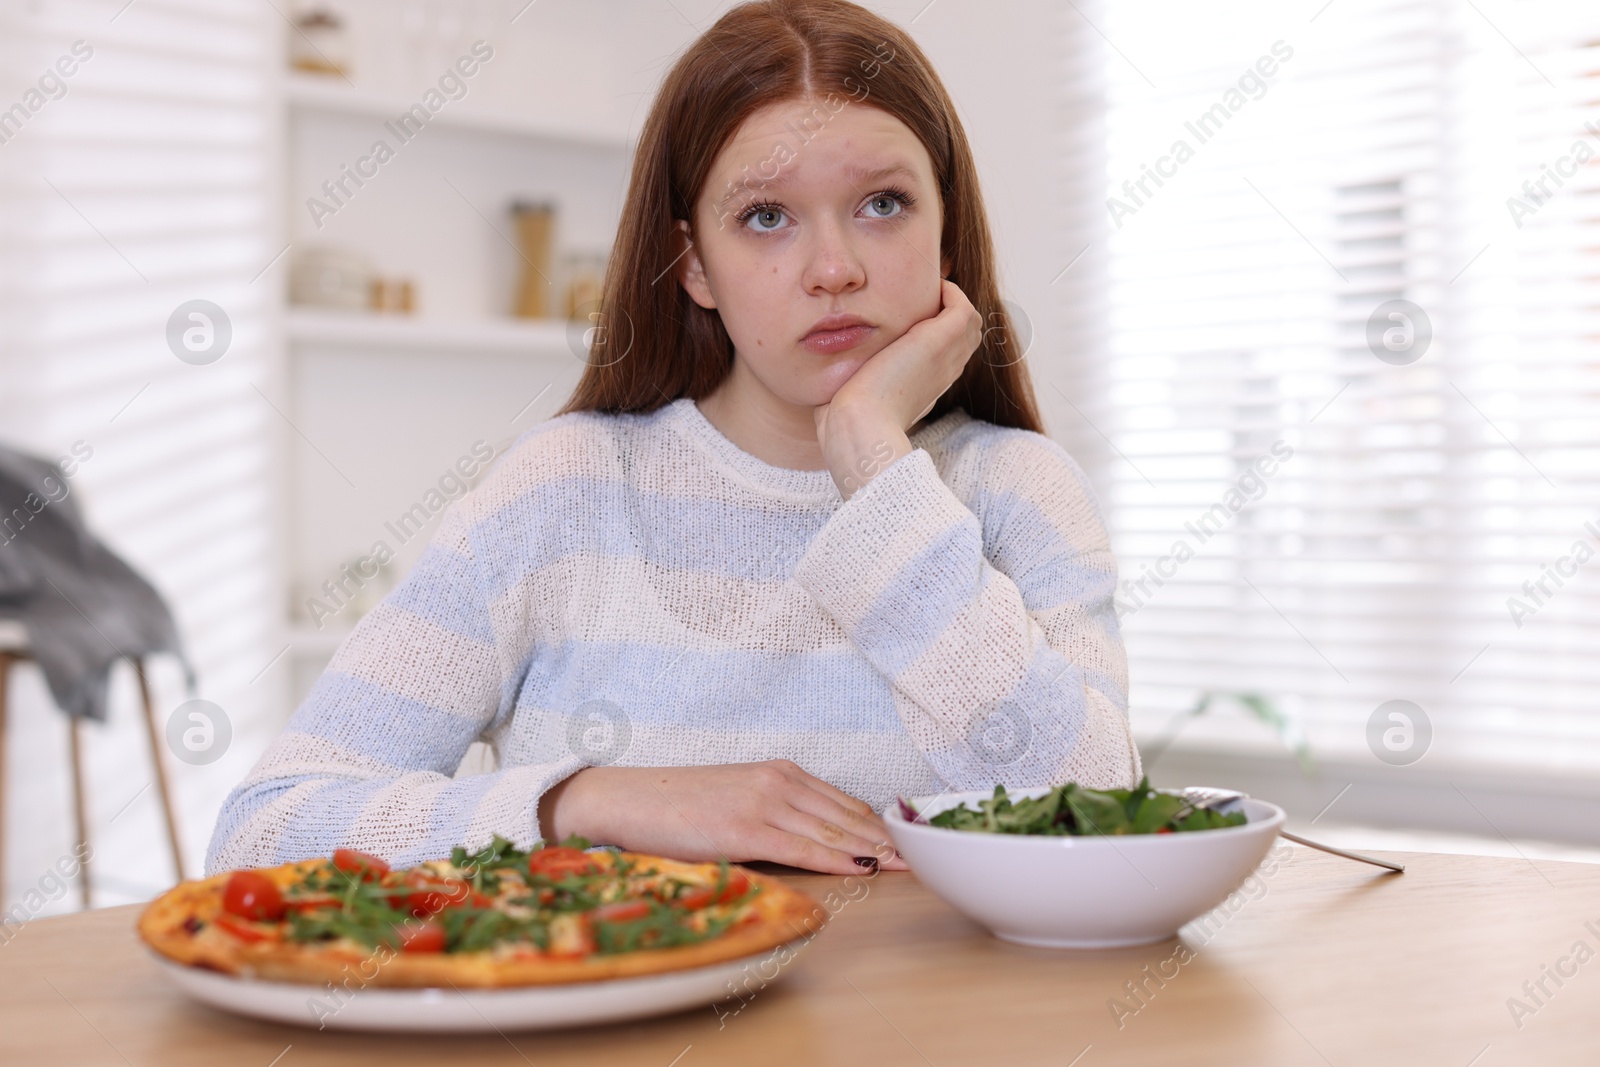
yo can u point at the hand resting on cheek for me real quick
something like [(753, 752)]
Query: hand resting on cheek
[(862, 429)]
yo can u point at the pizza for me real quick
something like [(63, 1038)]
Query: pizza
[(495, 918)]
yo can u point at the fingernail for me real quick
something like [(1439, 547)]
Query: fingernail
[(868, 862)]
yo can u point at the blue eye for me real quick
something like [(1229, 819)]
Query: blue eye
[(760, 211), (894, 206), (897, 199), (893, 195)]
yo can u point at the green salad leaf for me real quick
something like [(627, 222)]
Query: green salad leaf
[(1072, 810), (331, 903)]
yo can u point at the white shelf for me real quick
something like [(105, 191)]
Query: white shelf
[(361, 329), (335, 360), (330, 95)]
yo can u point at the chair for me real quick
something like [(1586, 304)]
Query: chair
[(13, 651)]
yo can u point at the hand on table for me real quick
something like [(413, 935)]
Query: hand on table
[(771, 810), (863, 428)]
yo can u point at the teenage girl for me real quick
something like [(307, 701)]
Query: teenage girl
[(796, 545)]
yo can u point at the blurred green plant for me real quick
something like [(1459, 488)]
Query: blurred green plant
[(1259, 707)]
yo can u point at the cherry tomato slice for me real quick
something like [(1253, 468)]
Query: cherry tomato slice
[(694, 899), (252, 895), (738, 885), (429, 896), (558, 860), (421, 937), (298, 904), (363, 865), (620, 912), (244, 930), (430, 902)]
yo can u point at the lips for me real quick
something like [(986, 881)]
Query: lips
[(835, 333)]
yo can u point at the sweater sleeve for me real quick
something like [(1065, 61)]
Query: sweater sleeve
[(367, 760), (999, 639)]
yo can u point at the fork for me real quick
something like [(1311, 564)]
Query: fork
[(1201, 798)]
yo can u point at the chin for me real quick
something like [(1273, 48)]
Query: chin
[(811, 395), (824, 389), (829, 380)]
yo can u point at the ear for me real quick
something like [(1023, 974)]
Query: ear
[(944, 268), (691, 271)]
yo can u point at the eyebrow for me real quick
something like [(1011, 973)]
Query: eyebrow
[(856, 175)]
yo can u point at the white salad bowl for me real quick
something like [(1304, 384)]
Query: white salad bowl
[(1081, 892)]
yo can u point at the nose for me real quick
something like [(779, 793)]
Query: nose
[(833, 265)]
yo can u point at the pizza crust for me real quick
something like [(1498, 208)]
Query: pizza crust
[(777, 915)]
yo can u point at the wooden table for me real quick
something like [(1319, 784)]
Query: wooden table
[(1326, 962)]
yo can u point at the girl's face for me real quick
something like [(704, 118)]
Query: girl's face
[(816, 209)]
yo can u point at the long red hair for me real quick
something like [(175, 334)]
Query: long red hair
[(653, 343)]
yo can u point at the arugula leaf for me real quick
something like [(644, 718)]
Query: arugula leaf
[(336, 904), (1155, 812), (1098, 812), (1071, 809), (481, 866)]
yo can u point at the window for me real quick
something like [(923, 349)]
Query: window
[(135, 175), (1315, 492)]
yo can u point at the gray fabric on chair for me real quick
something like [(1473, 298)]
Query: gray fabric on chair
[(82, 606)]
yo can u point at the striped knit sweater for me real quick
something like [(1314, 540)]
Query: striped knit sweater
[(637, 590)]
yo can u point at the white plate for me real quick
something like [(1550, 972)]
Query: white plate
[(465, 1010)]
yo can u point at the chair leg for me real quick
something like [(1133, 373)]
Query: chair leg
[(80, 810), (160, 769), (6, 660)]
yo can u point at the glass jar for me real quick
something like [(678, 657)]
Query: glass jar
[(320, 42)]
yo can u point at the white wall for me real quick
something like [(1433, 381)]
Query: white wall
[(201, 482), (384, 424)]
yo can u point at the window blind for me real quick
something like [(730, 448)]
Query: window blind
[(1310, 498), (136, 173)]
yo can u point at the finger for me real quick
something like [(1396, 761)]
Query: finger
[(851, 812), (953, 306), (888, 859), (829, 803), (949, 293), (798, 774), (855, 817), (781, 846), (863, 857), (962, 326), (955, 299), (886, 856), (824, 832), (956, 319)]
